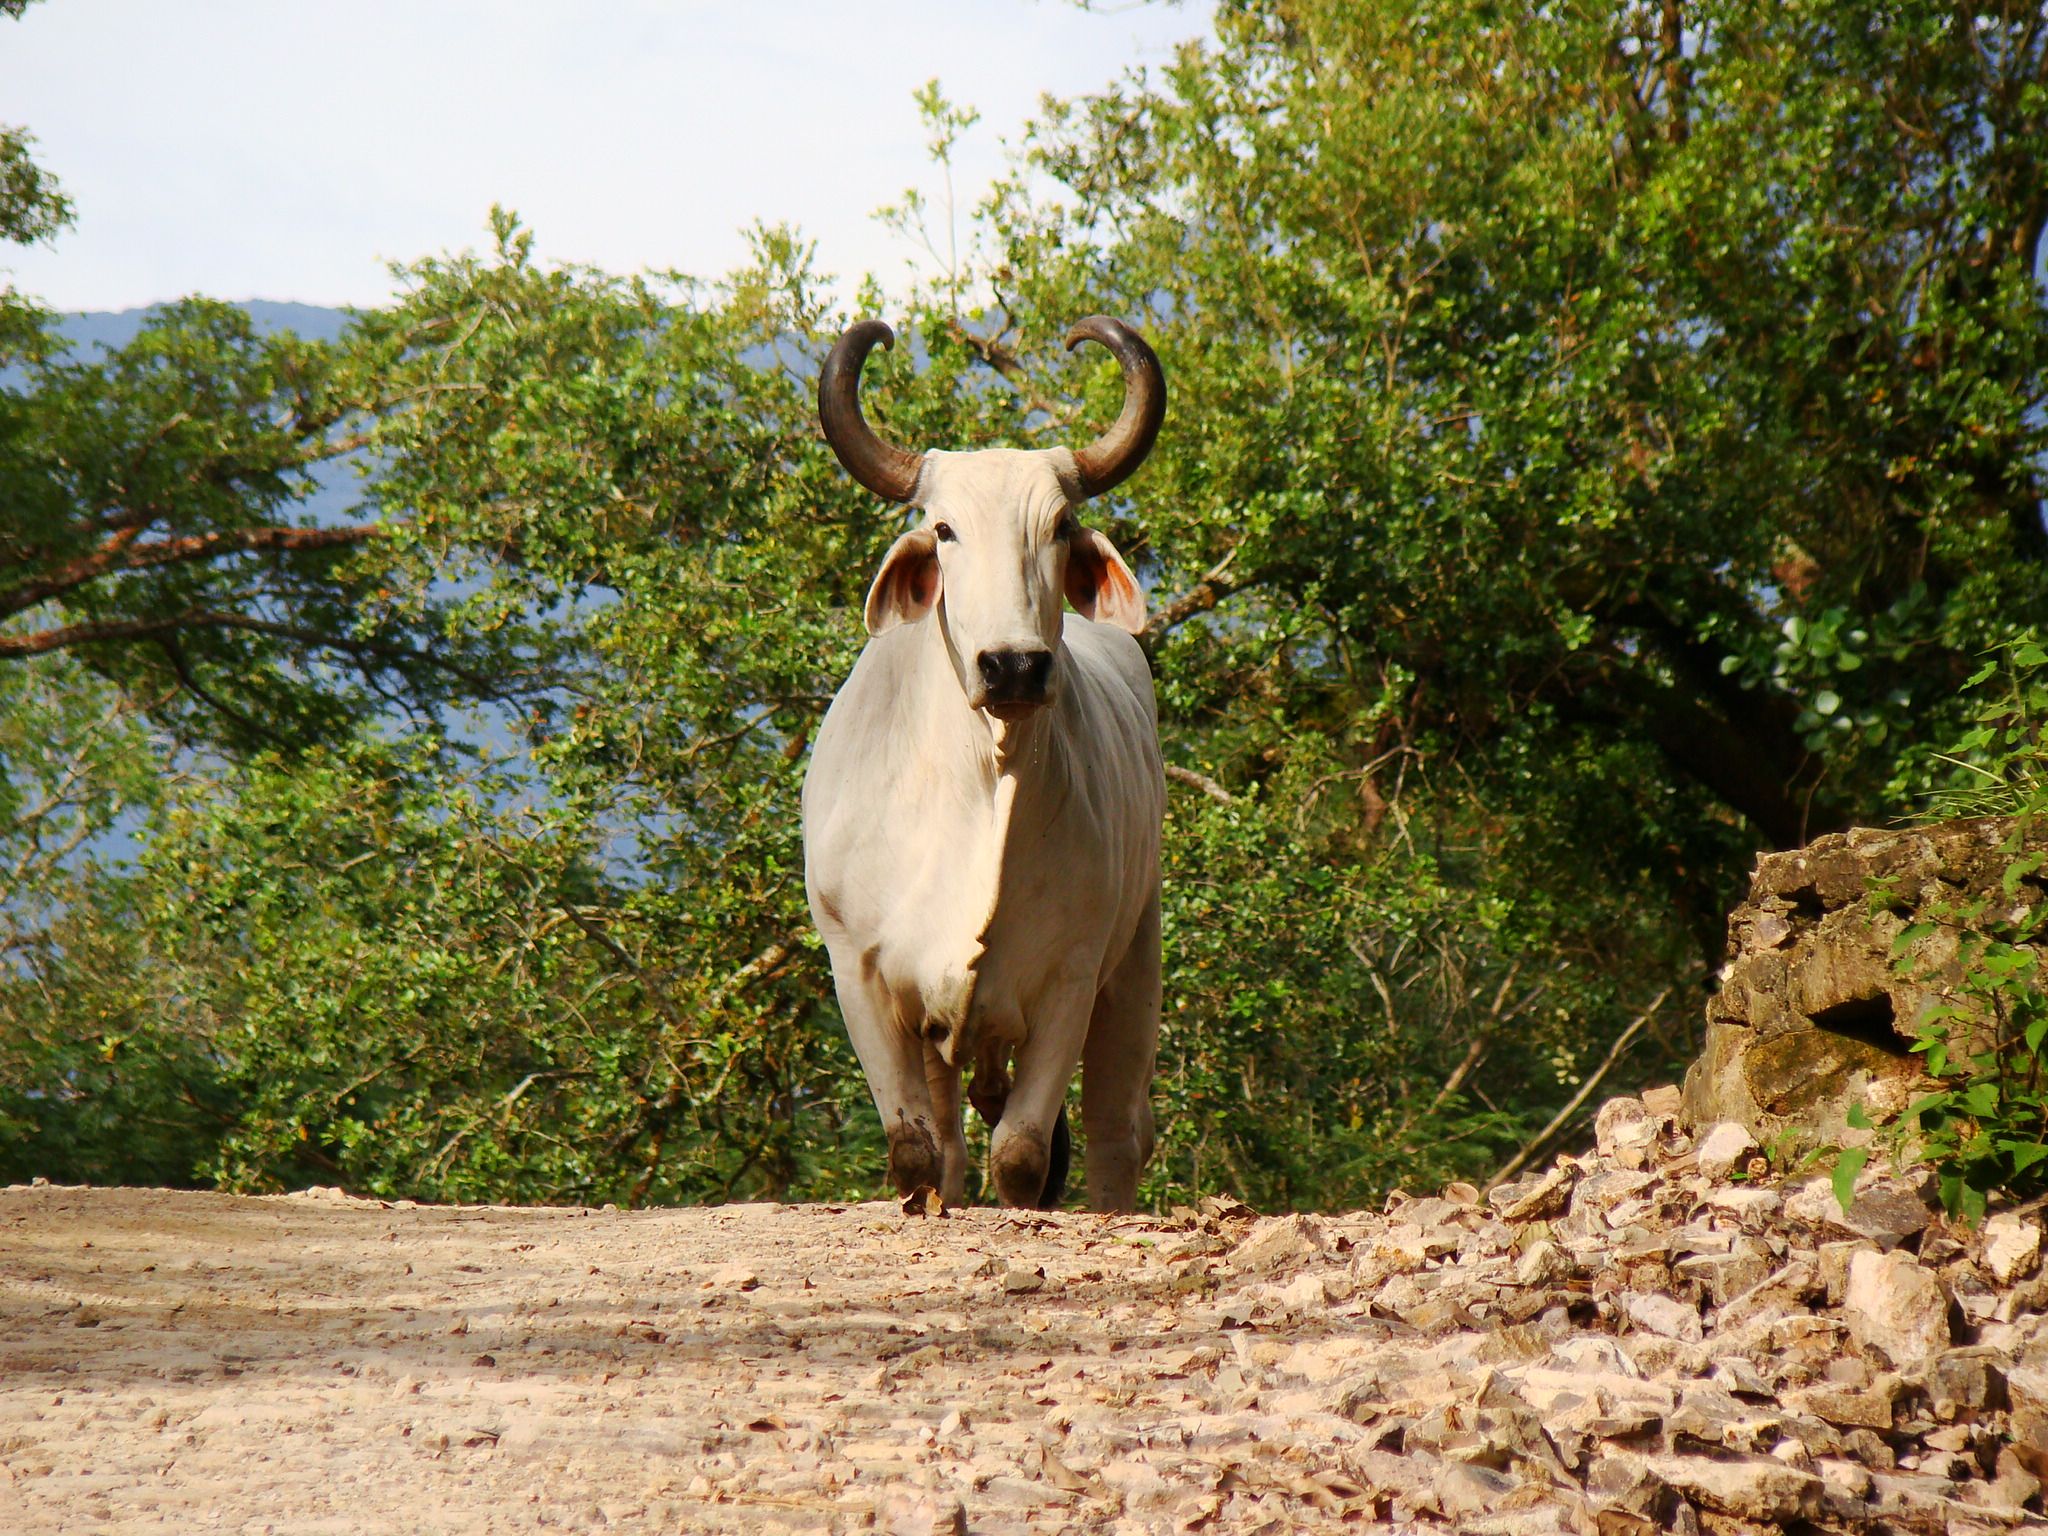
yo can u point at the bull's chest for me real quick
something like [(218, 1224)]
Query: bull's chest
[(1012, 898)]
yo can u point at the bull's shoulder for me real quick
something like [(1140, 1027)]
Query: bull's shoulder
[(1109, 651)]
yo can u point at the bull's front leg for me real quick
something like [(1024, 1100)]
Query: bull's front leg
[(892, 1059), (1020, 1151)]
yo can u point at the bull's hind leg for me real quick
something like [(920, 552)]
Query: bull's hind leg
[(892, 1059), (1116, 1072), (943, 1082)]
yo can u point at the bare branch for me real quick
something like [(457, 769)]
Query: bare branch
[(1201, 781)]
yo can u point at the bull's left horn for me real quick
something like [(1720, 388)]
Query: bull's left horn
[(883, 468), (1115, 456)]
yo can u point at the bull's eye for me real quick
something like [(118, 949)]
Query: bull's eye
[(943, 531), (1066, 527)]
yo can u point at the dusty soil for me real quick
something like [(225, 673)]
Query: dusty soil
[(1633, 1342), (317, 1363)]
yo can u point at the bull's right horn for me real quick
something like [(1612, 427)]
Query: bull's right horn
[(883, 468), (1115, 456)]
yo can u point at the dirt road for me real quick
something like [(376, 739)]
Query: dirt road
[(311, 1363), (1624, 1343)]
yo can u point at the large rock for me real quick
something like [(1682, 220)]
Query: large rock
[(1813, 1014), (1898, 1306)]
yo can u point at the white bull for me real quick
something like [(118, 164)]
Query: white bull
[(982, 812)]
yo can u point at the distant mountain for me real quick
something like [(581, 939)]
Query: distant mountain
[(117, 327)]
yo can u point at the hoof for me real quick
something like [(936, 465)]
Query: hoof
[(1018, 1168), (913, 1157)]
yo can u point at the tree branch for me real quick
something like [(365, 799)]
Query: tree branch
[(1201, 781), (119, 554)]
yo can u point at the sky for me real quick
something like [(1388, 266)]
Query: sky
[(293, 149)]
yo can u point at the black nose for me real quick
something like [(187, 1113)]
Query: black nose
[(1013, 676)]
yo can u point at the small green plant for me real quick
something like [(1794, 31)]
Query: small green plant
[(1984, 1126)]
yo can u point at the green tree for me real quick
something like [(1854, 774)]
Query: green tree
[(1601, 441)]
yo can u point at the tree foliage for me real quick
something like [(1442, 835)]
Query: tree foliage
[(1601, 441)]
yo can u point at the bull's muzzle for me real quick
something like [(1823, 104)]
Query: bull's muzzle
[(1014, 680)]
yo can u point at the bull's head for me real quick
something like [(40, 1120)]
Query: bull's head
[(999, 545)]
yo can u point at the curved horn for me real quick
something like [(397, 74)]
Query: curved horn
[(882, 467), (1115, 456)]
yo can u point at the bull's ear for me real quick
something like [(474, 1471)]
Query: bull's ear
[(1099, 584), (907, 584)]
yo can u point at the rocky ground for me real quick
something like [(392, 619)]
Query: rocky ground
[(1650, 1338)]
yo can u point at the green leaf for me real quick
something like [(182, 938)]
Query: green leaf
[(1847, 1167), (1910, 935)]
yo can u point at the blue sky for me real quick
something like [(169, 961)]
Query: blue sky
[(288, 149)]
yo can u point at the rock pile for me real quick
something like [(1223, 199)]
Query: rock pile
[(1656, 1337)]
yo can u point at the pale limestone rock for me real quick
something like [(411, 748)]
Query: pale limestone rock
[(1664, 1101), (1624, 1131), (1845, 1480), (921, 1514), (1303, 1294), (1866, 1409), (1893, 1304), (1543, 1263), (1464, 1489), (1662, 1315), (2012, 1246), (1749, 1487), (1725, 1148), (1279, 1240), (1538, 1198)]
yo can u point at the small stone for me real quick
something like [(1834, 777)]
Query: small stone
[(1661, 1315), (1304, 1293), (1965, 1381), (1023, 1282), (1844, 1479), (921, 1514), (1749, 1487), (1624, 1131), (2012, 1485), (1277, 1241), (1725, 1148), (1543, 1263), (1893, 1304), (1464, 1488), (1846, 1406), (1665, 1101), (1536, 1199), (1886, 1210), (2012, 1247)]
